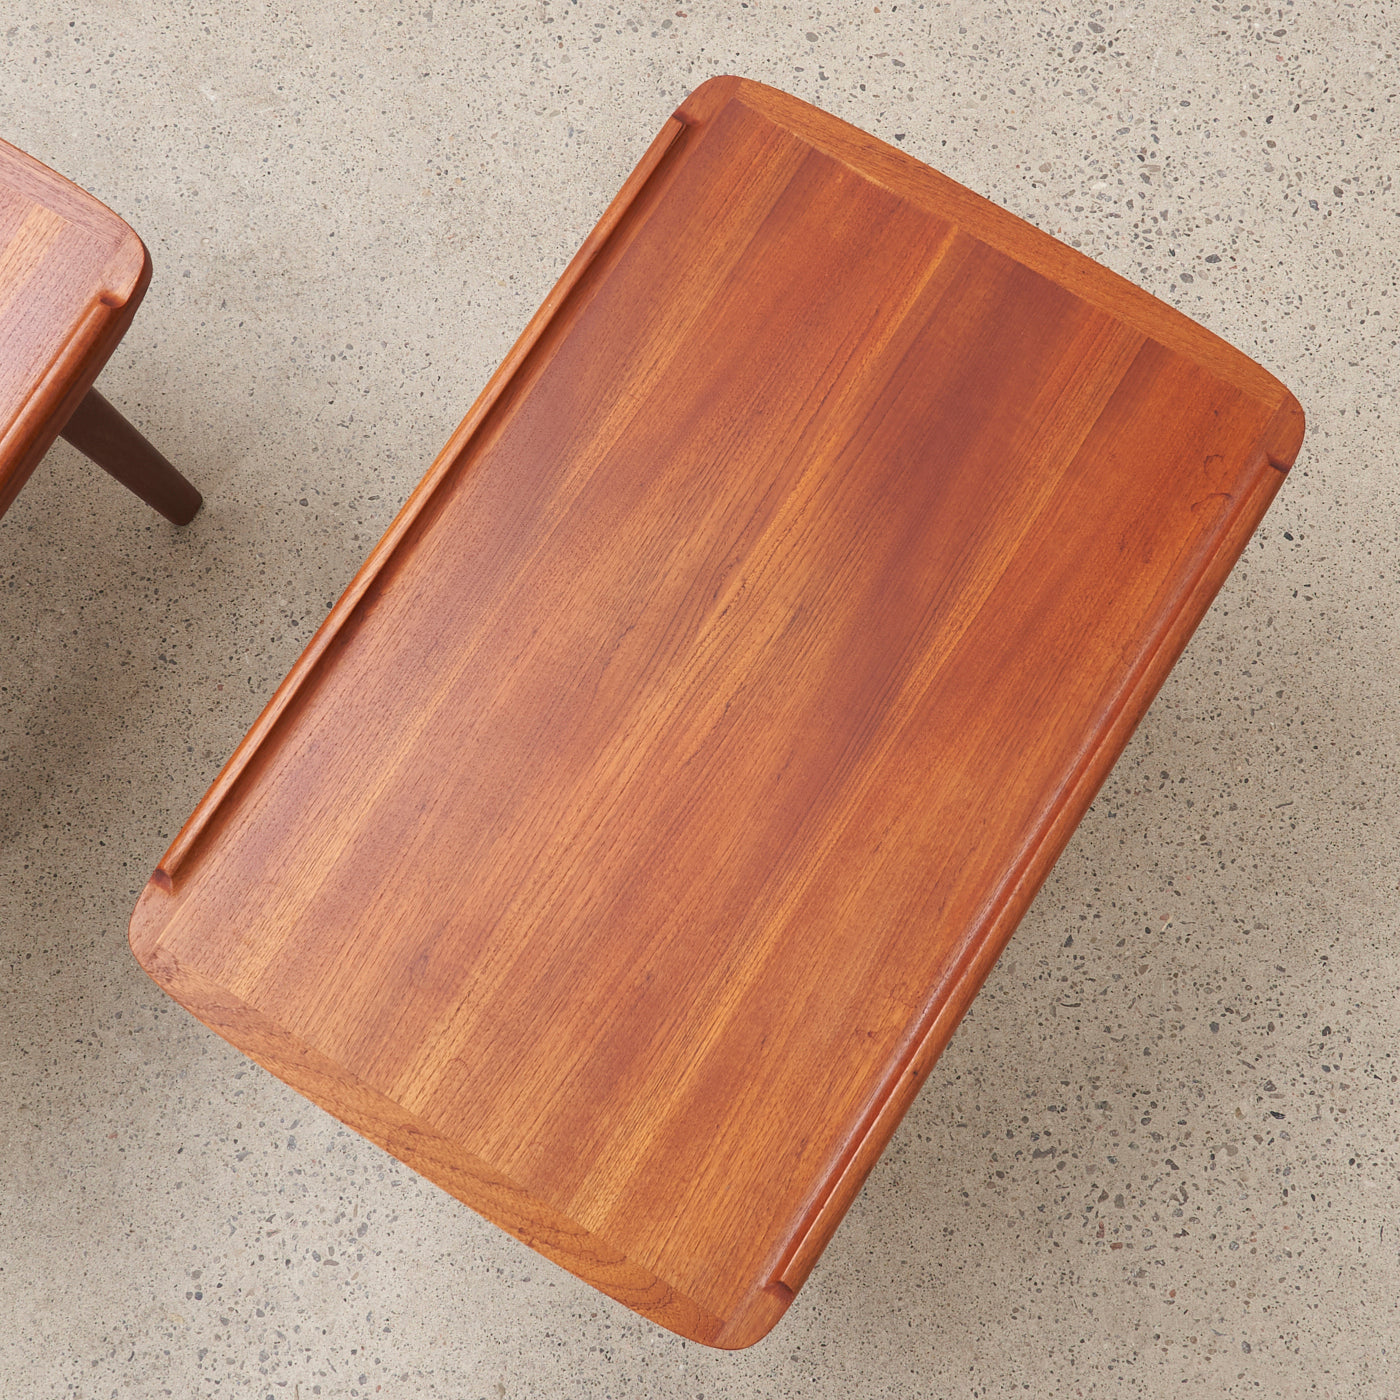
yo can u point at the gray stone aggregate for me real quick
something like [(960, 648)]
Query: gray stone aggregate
[(1160, 1155)]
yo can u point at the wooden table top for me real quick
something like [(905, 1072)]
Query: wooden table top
[(71, 277), (639, 825)]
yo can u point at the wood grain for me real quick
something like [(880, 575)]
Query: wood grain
[(71, 277), (636, 830)]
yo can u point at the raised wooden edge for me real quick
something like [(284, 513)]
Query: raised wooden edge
[(78, 361), (998, 228), (418, 1145), (946, 1005), (305, 667), (39, 182), (1283, 438), (70, 374)]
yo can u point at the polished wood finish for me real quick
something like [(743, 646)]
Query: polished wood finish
[(71, 277), (633, 834)]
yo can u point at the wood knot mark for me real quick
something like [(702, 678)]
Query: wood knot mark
[(1215, 498)]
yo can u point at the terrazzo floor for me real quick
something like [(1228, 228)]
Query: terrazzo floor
[(1159, 1157)]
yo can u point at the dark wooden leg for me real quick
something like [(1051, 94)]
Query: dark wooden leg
[(98, 431)]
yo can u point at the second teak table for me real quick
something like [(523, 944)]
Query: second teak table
[(632, 836)]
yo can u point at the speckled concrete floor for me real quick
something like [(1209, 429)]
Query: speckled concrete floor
[(1160, 1154)]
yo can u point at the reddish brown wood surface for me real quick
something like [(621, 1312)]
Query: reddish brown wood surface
[(639, 825), (71, 277)]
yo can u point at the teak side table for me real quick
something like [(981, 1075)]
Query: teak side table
[(631, 837), (71, 277)]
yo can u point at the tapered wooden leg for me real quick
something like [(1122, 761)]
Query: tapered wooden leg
[(98, 431)]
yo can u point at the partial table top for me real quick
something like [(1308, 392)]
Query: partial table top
[(71, 277), (636, 830)]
